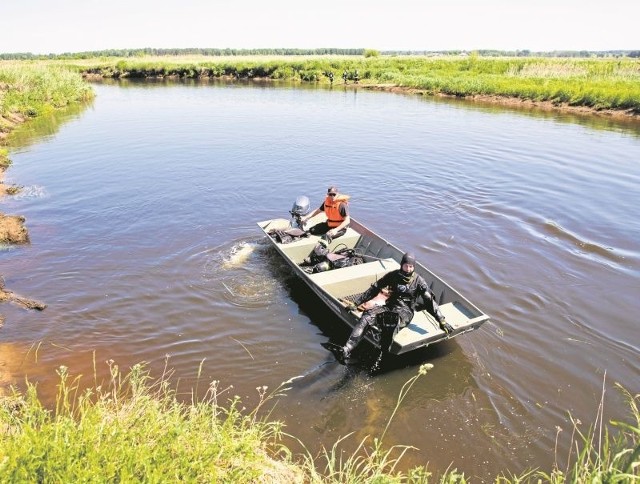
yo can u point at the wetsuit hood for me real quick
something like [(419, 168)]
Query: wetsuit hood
[(407, 258)]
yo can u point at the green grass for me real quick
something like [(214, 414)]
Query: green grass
[(594, 83), (4, 158), (600, 454), (33, 89), (135, 429)]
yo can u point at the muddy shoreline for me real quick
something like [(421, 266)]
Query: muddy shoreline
[(512, 102), (12, 229), (480, 99)]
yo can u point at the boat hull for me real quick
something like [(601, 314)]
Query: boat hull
[(337, 285)]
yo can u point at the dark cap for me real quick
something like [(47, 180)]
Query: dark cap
[(408, 258), (332, 189)]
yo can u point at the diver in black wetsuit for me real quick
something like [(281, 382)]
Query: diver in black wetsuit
[(405, 287)]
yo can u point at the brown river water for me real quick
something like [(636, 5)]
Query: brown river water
[(142, 211)]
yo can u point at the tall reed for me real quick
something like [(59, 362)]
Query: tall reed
[(31, 89), (601, 454), (134, 429)]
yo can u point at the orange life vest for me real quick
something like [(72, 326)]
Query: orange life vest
[(332, 209)]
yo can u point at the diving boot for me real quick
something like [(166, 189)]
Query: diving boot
[(346, 351)]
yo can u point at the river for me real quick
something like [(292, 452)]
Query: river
[(141, 209)]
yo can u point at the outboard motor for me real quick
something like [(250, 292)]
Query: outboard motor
[(300, 208)]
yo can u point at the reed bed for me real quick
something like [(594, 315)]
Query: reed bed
[(594, 83), (32, 89), (134, 428)]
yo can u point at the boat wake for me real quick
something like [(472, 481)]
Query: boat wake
[(580, 245), (241, 269), (239, 254)]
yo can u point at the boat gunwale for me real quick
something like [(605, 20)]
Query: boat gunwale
[(350, 318)]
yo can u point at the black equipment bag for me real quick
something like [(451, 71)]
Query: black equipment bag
[(288, 236)]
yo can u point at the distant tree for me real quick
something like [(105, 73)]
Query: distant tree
[(371, 53)]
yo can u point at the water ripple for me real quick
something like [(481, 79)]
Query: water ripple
[(241, 267), (584, 246), (30, 192)]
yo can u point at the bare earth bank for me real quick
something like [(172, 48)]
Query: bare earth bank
[(513, 102)]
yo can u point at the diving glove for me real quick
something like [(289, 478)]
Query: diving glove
[(349, 305), (446, 327)]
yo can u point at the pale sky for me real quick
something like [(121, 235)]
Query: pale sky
[(57, 26)]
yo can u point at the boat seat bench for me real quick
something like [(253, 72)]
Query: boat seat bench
[(346, 281), (350, 282), (413, 335)]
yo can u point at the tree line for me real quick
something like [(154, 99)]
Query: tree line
[(215, 52)]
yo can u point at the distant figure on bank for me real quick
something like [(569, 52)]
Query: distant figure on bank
[(331, 77), (344, 76), (336, 208), (356, 77)]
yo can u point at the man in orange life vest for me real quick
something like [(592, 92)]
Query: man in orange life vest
[(336, 208)]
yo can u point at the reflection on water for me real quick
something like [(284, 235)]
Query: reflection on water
[(626, 125), (46, 126), (142, 211)]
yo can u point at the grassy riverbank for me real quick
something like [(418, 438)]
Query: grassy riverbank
[(597, 84), (31, 89), (133, 428)]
